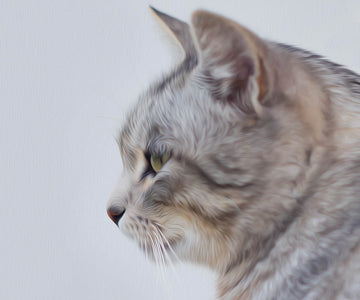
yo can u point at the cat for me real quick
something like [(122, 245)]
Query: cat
[(246, 159)]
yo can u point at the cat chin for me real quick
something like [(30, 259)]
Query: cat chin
[(152, 239)]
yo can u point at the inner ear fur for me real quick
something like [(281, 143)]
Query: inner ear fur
[(232, 61)]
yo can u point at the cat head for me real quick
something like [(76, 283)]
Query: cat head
[(206, 149)]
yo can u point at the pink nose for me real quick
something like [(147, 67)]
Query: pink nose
[(115, 214)]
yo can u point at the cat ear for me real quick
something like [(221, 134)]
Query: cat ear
[(178, 30), (231, 61)]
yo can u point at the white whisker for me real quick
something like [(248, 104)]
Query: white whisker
[(168, 244), (160, 256), (153, 250), (146, 250), (168, 258), (162, 226)]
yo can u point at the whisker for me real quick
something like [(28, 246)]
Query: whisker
[(161, 242), (161, 255), (168, 244), (170, 261), (169, 258), (144, 248), (158, 224), (146, 251), (153, 250)]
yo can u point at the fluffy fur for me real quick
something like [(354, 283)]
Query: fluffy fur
[(263, 183)]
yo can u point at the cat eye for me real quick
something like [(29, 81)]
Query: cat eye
[(155, 162)]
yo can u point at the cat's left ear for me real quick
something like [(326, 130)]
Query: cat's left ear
[(179, 30), (231, 61)]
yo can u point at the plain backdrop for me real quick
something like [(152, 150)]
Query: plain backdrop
[(69, 70)]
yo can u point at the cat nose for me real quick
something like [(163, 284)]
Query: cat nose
[(115, 214)]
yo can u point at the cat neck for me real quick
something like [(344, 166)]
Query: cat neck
[(305, 248)]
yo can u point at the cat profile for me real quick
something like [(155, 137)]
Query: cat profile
[(246, 158)]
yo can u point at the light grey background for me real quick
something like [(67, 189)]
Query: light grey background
[(68, 72)]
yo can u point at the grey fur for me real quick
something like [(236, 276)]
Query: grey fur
[(263, 185)]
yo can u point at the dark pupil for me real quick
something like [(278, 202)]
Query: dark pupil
[(148, 170)]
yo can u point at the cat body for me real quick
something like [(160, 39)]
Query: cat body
[(246, 159)]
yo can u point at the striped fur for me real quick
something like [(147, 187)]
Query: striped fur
[(263, 185)]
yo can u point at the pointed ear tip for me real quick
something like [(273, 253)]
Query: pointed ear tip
[(154, 11), (157, 14)]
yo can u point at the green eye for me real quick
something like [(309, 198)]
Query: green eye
[(158, 161)]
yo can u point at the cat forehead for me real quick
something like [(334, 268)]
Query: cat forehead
[(154, 107), (179, 116)]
